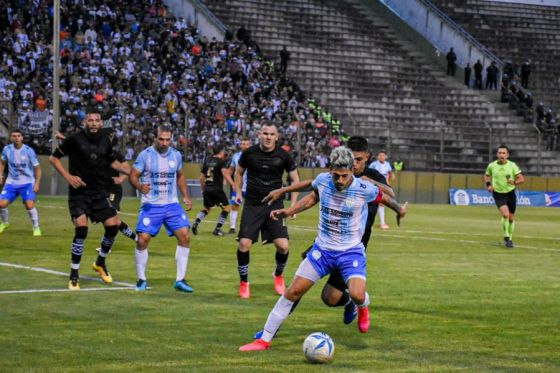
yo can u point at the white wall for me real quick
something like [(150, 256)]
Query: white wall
[(193, 15), (530, 2)]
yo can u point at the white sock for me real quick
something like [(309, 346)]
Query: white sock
[(381, 210), (366, 301), (141, 263), (5, 215), (182, 257), (276, 317), (34, 216), (233, 218)]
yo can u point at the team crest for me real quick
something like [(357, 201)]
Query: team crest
[(350, 202), (316, 254), (146, 221), (184, 217), (355, 263), (172, 164)]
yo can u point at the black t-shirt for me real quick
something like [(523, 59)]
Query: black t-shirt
[(88, 158), (110, 172), (212, 170), (264, 171)]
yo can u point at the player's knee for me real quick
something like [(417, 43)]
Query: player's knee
[(111, 230), (282, 249), (226, 208), (329, 300), (358, 295), (4, 203), (80, 233), (244, 244), (293, 294)]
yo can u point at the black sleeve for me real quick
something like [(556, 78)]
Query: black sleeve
[(375, 175), (290, 163), (243, 159), (119, 157), (65, 148)]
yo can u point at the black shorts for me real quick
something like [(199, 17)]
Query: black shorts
[(94, 205), (114, 194), (256, 218), (509, 199), (215, 197)]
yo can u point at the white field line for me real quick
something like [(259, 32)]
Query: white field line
[(298, 227), (63, 290), (49, 271)]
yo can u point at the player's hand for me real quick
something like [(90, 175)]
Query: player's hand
[(119, 179), (35, 187), (76, 181), (145, 188), (402, 213), (59, 136), (273, 196), (511, 182), (292, 217), (238, 200), (491, 189), (278, 214), (188, 203)]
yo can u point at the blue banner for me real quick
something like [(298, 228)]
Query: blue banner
[(469, 197)]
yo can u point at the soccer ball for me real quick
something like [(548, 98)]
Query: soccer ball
[(318, 348)]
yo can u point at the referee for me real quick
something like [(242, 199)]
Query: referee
[(89, 151), (501, 177), (265, 164)]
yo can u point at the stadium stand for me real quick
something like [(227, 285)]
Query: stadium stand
[(147, 67), (352, 60)]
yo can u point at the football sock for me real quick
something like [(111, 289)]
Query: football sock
[(182, 257), (200, 217), (5, 215), (125, 229), (233, 218), (344, 300), (243, 265), (80, 234), (281, 260), (294, 306), (141, 263), (221, 219), (505, 226), (366, 301), (276, 317), (107, 243), (381, 210), (511, 226), (34, 216)]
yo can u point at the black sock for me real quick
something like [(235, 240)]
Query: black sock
[(222, 219), (343, 300), (74, 273), (243, 265), (294, 306), (125, 229), (281, 260), (200, 217), (78, 248), (106, 243)]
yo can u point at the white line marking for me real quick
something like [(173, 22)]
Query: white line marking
[(49, 271), (62, 290)]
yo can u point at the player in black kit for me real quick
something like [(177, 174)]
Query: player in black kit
[(335, 290), (265, 164), (90, 153), (212, 175)]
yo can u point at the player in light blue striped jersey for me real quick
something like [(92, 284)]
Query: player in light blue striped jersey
[(343, 202), (24, 178), (157, 173)]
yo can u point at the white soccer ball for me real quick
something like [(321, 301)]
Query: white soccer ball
[(318, 348)]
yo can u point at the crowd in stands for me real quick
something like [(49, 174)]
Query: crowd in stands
[(147, 67)]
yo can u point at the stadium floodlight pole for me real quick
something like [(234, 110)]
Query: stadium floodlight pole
[(56, 87), (186, 136)]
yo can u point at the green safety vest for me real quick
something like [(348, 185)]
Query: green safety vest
[(398, 166)]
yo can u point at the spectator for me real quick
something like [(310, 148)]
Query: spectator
[(468, 71), (451, 62), (284, 58), (492, 76), (525, 73), (478, 74)]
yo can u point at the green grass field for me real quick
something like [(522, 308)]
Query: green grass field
[(446, 296)]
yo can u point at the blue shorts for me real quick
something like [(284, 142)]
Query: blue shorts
[(11, 192), (350, 263), (233, 195), (151, 218)]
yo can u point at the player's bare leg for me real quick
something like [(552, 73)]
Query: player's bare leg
[(358, 293)]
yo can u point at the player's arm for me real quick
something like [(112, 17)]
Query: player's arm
[(2, 166), (303, 204), (74, 181), (386, 189), (202, 181), (390, 202), (488, 182), (276, 194), (227, 176), (182, 185), (134, 180), (519, 179), (238, 182), (294, 177), (38, 173), (122, 167)]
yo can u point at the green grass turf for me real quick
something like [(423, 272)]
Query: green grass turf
[(446, 296)]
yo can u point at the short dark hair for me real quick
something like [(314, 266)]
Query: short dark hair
[(16, 130), (382, 151), (164, 128), (503, 146), (218, 148), (358, 144)]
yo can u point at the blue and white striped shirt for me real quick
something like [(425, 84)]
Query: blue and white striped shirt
[(160, 172), (343, 214), (20, 163)]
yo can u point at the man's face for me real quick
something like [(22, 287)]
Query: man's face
[(502, 154), (244, 145), (93, 123), (268, 137), (341, 178), (381, 157), (360, 161), (163, 141), (17, 139)]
